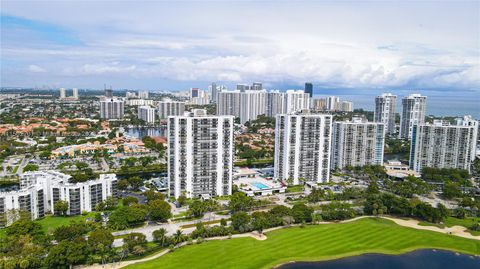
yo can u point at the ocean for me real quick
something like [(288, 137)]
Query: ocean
[(437, 104)]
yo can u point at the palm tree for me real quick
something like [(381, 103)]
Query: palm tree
[(178, 237), (160, 236)]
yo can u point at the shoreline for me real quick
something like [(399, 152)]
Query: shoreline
[(359, 253)]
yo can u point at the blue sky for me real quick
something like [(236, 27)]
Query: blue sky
[(176, 45)]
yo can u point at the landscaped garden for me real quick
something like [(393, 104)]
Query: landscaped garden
[(313, 242)]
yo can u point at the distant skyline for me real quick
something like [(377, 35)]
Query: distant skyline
[(431, 45)]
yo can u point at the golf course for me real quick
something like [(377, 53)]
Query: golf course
[(311, 243)]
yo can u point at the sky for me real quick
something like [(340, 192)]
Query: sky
[(163, 45)]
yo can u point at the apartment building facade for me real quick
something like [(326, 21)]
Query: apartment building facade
[(200, 154), (302, 147)]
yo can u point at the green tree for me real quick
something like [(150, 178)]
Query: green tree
[(27, 227), (316, 195), (240, 221), (281, 211), (135, 182), (100, 240), (67, 253), (30, 167), (197, 208), (61, 207), (302, 213), (260, 221), (81, 165), (130, 200), (45, 155), (178, 237), (70, 232), (182, 200), (451, 190), (134, 239), (126, 216), (19, 251), (159, 210), (154, 195), (239, 201), (373, 188), (122, 184), (160, 236)]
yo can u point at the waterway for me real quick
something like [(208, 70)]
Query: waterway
[(421, 259)]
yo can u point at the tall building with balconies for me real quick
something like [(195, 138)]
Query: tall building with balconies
[(39, 191), (276, 103), (345, 106), (302, 147), (213, 92), (247, 105), (200, 154), (332, 103), (143, 94), (253, 103), (309, 89), (296, 100), (111, 108), (228, 103), (357, 143), (385, 105), (442, 145), (63, 93), (75, 93), (168, 108), (414, 108), (146, 113)]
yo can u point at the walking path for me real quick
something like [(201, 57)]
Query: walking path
[(411, 223)]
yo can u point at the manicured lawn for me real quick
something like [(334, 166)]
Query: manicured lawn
[(255, 162), (204, 223), (180, 215), (295, 188), (51, 222), (315, 242)]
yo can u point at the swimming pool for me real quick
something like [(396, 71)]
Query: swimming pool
[(259, 185)]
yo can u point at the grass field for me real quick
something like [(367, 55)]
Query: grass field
[(195, 224), (311, 243), (295, 188), (52, 222)]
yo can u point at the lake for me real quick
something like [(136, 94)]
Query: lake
[(421, 259)]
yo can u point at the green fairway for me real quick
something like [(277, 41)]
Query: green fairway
[(315, 242)]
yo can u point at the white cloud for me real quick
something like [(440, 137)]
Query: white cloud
[(36, 69), (361, 44), (349, 67), (98, 69)]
